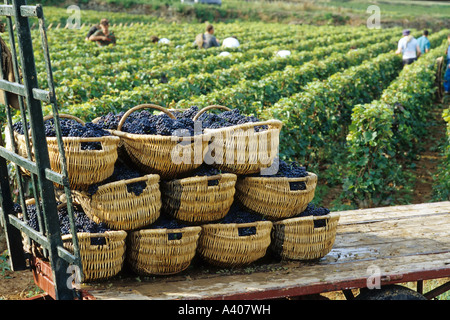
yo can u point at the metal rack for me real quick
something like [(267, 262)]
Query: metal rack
[(42, 177)]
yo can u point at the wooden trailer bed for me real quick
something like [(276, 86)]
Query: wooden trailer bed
[(391, 245)]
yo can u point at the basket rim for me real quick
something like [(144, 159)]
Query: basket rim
[(195, 179), (150, 176), (307, 218), (281, 179), (166, 231), (277, 124), (236, 225), (107, 234), (86, 139), (157, 137)]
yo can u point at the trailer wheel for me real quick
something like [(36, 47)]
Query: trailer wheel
[(390, 292)]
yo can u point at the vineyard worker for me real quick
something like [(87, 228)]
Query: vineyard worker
[(92, 31), (408, 47), (447, 70), (207, 40), (424, 43), (104, 36)]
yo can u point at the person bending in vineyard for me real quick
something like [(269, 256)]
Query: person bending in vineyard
[(408, 47), (104, 36), (447, 70), (207, 40)]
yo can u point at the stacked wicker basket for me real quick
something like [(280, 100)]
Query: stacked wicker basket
[(198, 203)]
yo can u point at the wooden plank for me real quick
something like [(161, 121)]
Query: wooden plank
[(297, 279), (404, 243), (365, 215)]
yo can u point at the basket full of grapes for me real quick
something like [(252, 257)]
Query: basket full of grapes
[(162, 144), (102, 250), (239, 144), (204, 196), (240, 239), (309, 235), (281, 195), (127, 200), (164, 248), (90, 152)]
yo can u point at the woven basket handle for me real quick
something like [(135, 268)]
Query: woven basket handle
[(66, 116), (214, 106), (142, 106)]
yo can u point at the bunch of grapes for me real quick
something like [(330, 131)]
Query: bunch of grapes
[(227, 119), (71, 128), (165, 222), (312, 210), (288, 170), (205, 170), (110, 121), (237, 214), (82, 222), (122, 172), (188, 113)]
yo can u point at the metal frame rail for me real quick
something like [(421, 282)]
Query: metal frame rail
[(42, 177)]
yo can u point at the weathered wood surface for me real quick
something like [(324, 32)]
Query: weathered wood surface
[(390, 244)]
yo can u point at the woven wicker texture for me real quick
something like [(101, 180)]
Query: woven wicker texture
[(193, 201), (297, 239), (221, 245), (151, 252), (99, 262), (167, 156), (240, 149), (272, 197), (119, 209), (84, 167)]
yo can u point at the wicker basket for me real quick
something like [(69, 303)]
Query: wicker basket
[(152, 252), (298, 239), (119, 209), (84, 167), (272, 197), (99, 262), (222, 246), (155, 153), (193, 201), (240, 149)]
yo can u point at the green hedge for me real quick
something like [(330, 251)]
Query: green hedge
[(384, 133), (441, 186)]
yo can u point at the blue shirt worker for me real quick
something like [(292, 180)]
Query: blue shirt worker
[(447, 70), (424, 43)]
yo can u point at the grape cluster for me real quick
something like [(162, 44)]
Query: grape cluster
[(227, 119), (146, 123), (82, 222), (312, 210), (188, 113), (237, 214), (165, 222), (205, 170), (122, 172), (288, 170), (71, 128), (110, 120)]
